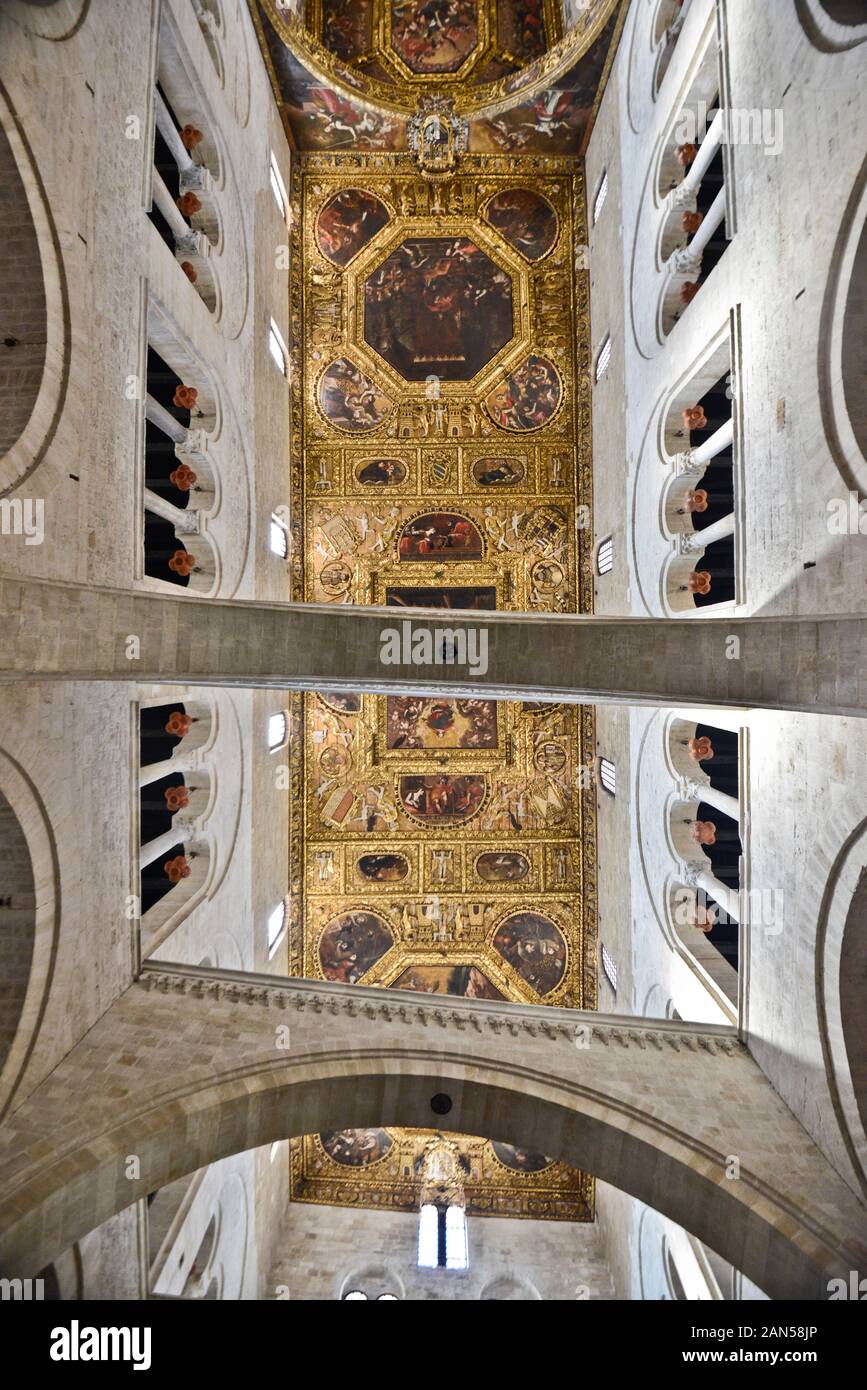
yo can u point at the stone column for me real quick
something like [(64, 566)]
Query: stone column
[(185, 522), (698, 791), (180, 834), (168, 130), (694, 460), (694, 876), (692, 542), (691, 183), (169, 208), (153, 772), (687, 261), (164, 420)]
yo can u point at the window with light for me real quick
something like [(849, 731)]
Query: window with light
[(276, 926)]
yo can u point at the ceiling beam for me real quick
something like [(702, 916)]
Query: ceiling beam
[(53, 631)]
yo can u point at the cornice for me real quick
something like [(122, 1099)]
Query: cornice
[(578, 1027)]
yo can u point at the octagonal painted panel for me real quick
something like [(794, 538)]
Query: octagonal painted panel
[(438, 306), (433, 36)]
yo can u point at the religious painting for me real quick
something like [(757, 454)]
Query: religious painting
[(414, 722), (438, 306), (521, 29), (356, 1148), (349, 399), (464, 980), (440, 536), (525, 219), (351, 944), (380, 472), (535, 947), (529, 398), (520, 1160), (434, 36), (347, 27), (383, 868), (341, 703), (442, 799), (554, 121), (347, 222), (479, 598), (498, 472), (505, 867), (321, 117)]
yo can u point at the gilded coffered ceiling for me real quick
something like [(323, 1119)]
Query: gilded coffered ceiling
[(441, 423), (441, 419)]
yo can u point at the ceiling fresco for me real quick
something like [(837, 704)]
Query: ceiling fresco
[(441, 423), (354, 74), (447, 40)]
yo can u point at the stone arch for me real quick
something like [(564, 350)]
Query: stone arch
[(842, 358), (54, 20), (29, 875), (852, 957), (34, 391), (358, 1062), (373, 1280), (832, 26), (17, 924), (841, 938), (511, 1287)]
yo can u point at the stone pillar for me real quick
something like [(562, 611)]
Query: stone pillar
[(185, 522), (692, 542), (691, 183), (694, 460), (168, 130), (694, 876), (698, 791), (153, 772), (180, 834), (164, 420), (169, 209), (687, 261)]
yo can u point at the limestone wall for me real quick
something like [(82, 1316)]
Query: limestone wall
[(329, 1250), (84, 103), (796, 203)]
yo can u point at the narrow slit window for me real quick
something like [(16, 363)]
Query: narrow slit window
[(601, 195), (277, 348), (278, 730), (278, 188), (603, 359), (610, 969), (428, 1238), (456, 1238), (276, 927), (279, 537)]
